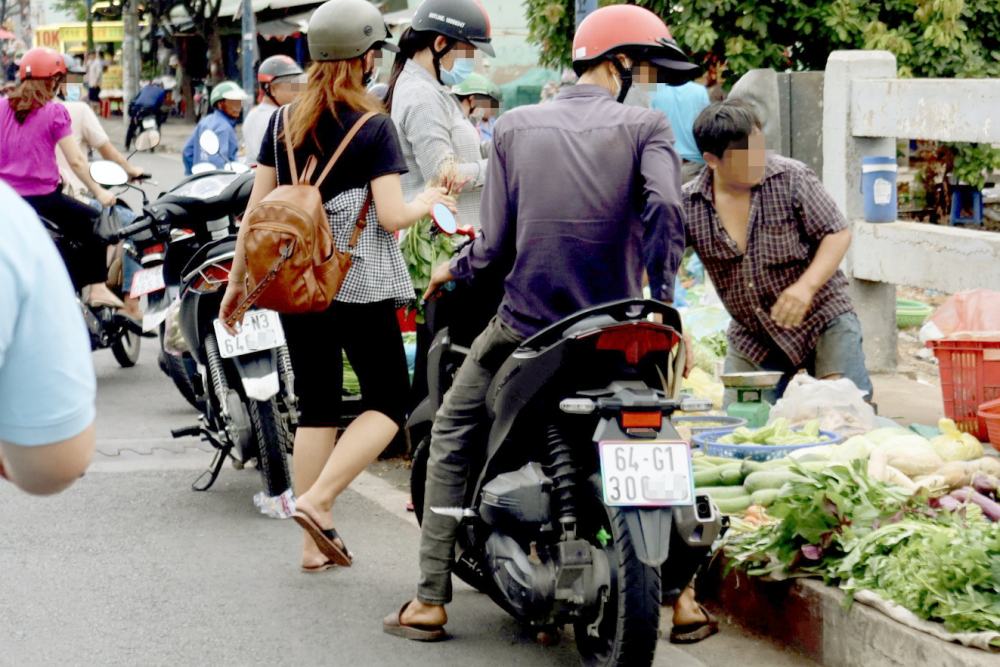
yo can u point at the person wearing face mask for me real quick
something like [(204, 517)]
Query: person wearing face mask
[(437, 52), (280, 79), (480, 100), (582, 199)]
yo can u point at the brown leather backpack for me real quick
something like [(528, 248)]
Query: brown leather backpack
[(292, 262)]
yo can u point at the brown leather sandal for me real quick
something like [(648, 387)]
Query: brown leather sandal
[(325, 539), (393, 625)]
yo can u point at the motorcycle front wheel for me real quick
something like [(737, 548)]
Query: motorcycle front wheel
[(126, 348), (273, 439), (628, 625)]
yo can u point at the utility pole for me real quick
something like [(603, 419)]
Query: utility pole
[(584, 7), (249, 50), (131, 63)]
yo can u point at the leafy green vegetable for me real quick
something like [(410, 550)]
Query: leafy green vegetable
[(423, 252), (946, 570), (843, 526)]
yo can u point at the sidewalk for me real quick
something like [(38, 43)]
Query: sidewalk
[(173, 134)]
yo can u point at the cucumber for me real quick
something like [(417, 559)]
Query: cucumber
[(707, 477), (764, 497), (731, 475), (750, 466), (770, 479), (736, 505), (719, 460), (716, 492), (777, 463)]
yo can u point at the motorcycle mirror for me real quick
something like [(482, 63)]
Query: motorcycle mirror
[(108, 174), (202, 167), (209, 142), (147, 140), (444, 219), (237, 167)]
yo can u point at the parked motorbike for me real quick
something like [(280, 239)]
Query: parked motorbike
[(585, 489), (245, 383), (108, 327)]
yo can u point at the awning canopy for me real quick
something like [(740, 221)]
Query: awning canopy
[(288, 26)]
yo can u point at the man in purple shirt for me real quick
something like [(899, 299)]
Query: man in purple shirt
[(582, 198)]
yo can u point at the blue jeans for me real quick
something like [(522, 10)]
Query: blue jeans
[(838, 353)]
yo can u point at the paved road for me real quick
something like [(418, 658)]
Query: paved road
[(132, 567)]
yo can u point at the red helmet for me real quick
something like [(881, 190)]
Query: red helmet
[(276, 67), (636, 32), (41, 63)]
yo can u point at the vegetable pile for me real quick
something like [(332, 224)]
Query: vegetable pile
[(835, 521), (779, 433)]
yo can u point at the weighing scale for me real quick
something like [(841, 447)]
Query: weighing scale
[(750, 388)]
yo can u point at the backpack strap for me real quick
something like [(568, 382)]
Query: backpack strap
[(343, 145), (289, 150), (362, 221), (251, 298)]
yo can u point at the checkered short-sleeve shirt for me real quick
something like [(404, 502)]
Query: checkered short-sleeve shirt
[(790, 213)]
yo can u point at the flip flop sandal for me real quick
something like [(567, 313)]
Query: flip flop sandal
[(323, 567), (393, 625), (325, 540), (691, 633)]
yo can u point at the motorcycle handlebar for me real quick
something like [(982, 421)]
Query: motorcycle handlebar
[(135, 228)]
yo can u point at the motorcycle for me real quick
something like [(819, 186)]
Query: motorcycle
[(582, 509), (245, 383), (108, 327)]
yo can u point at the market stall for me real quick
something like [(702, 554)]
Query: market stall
[(904, 520)]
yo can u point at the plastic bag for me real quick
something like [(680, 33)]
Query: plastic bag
[(838, 405), (173, 339), (972, 314)]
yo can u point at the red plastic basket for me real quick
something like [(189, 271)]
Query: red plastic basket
[(970, 377), (990, 413)]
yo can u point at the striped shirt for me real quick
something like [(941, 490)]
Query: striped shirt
[(790, 213), (432, 129)]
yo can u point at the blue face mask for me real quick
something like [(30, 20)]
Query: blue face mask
[(73, 92), (459, 72)]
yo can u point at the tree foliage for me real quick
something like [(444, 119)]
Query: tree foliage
[(930, 38)]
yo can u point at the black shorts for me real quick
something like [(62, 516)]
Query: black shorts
[(369, 334), (94, 93)]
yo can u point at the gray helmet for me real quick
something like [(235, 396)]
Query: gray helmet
[(345, 29)]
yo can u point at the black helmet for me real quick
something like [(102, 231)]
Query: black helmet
[(462, 20), (276, 67)]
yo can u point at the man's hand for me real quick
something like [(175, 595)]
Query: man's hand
[(441, 277), (793, 305), (134, 172), (688, 354)]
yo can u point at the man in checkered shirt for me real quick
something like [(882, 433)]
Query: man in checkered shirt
[(772, 240)]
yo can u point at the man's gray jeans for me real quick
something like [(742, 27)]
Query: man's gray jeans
[(457, 433)]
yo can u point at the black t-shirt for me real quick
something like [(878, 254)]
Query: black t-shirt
[(373, 152)]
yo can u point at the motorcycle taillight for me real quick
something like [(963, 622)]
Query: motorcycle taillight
[(637, 339), (212, 277), (154, 249)]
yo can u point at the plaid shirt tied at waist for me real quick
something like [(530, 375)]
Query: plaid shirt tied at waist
[(790, 214)]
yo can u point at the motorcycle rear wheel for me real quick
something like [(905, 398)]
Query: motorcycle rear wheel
[(273, 439), (176, 370), (126, 348), (629, 628)]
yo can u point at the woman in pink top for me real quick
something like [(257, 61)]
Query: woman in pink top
[(31, 126)]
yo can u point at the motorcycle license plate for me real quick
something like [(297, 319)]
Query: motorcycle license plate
[(646, 474), (147, 281), (261, 330), (149, 123)]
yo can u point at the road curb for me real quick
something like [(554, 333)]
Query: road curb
[(810, 617)]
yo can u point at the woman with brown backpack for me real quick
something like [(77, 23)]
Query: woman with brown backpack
[(336, 129)]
